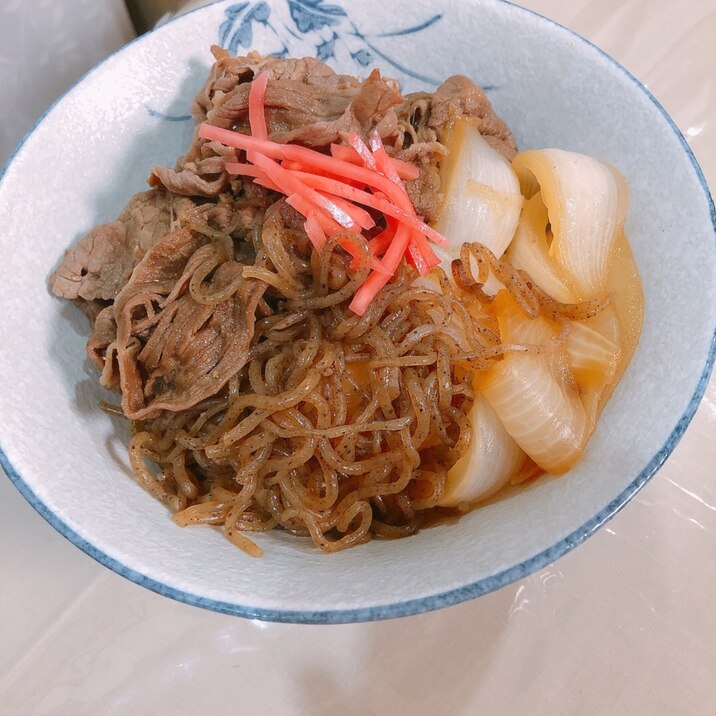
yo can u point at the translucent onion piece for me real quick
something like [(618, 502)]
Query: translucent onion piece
[(627, 300), (606, 322), (493, 457), (541, 412), (529, 251), (592, 357), (586, 203), (531, 394), (517, 327), (482, 194), (621, 321)]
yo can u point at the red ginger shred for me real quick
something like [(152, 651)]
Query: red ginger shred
[(327, 191)]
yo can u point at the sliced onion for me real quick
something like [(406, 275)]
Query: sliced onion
[(529, 251), (540, 410), (610, 339), (544, 416), (517, 327), (586, 203), (606, 322), (627, 301), (493, 457), (482, 194), (592, 357)]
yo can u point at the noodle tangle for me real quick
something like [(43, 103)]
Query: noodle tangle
[(338, 427)]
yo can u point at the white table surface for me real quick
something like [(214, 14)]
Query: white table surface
[(626, 624)]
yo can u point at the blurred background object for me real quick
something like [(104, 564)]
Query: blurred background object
[(145, 14), (44, 50)]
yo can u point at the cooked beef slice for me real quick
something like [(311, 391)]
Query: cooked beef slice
[(308, 103), (171, 351), (102, 262), (151, 339)]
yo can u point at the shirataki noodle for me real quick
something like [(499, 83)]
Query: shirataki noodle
[(340, 427)]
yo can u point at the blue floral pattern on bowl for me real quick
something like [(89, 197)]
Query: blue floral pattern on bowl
[(299, 28), (315, 27)]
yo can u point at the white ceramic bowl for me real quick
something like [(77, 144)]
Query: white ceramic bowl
[(94, 148)]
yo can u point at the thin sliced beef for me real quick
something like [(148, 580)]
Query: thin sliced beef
[(188, 180), (306, 91), (371, 108), (102, 262), (227, 216), (157, 335), (97, 267), (459, 96), (162, 266), (290, 105), (424, 192), (228, 72), (306, 103), (91, 309), (171, 351), (104, 334), (147, 218)]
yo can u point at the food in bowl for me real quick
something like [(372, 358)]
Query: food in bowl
[(346, 311)]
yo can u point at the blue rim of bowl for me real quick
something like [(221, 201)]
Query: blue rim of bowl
[(425, 603)]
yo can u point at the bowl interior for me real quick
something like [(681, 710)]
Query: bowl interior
[(95, 147)]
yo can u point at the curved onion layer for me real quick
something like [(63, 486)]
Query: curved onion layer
[(592, 356), (619, 324), (482, 194), (493, 458), (543, 415), (529, 251), (517, 328), (540, 410), (543, 398), (586, 204)]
